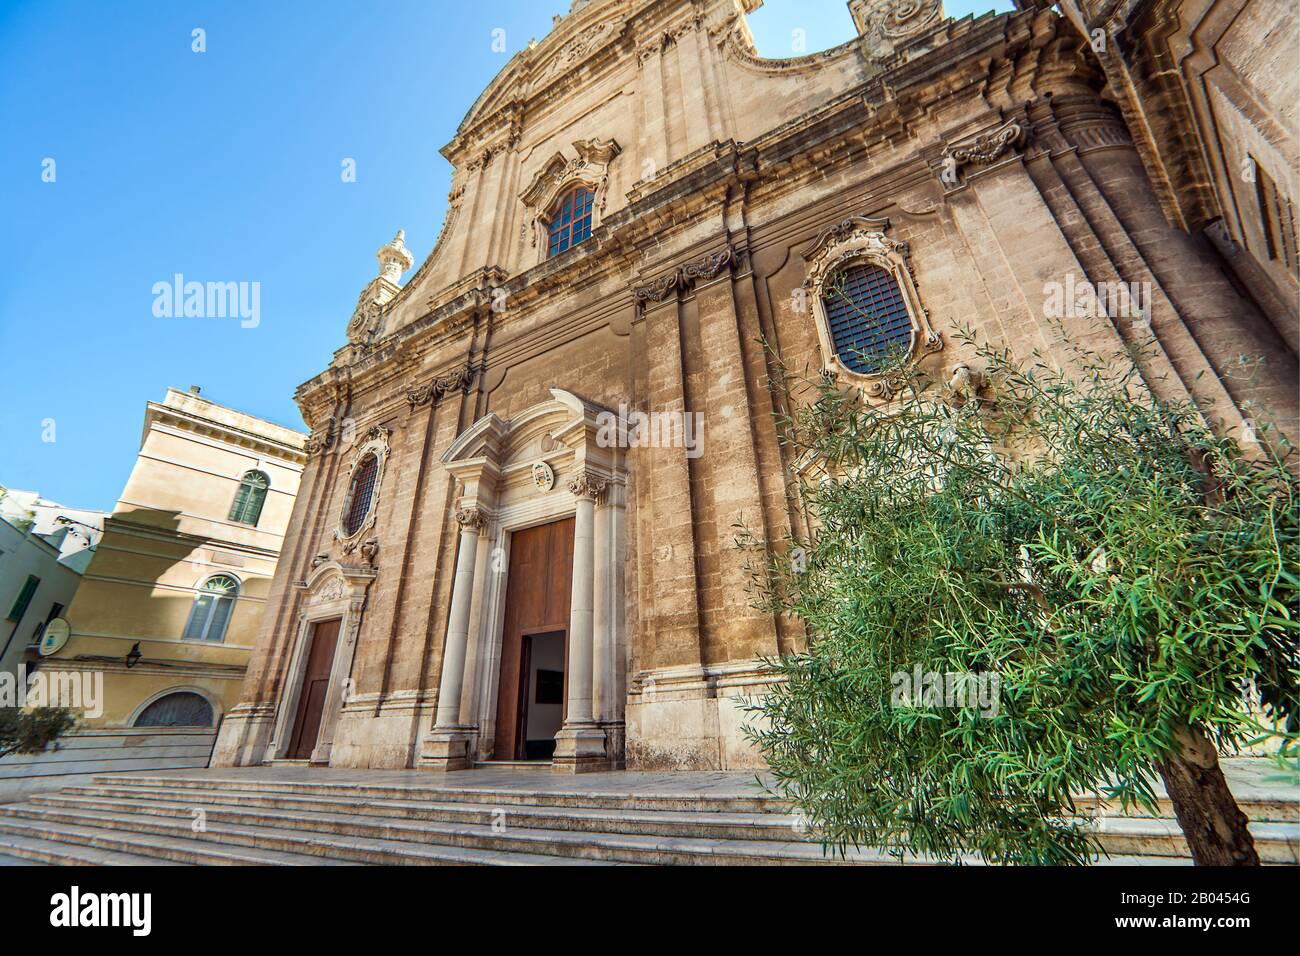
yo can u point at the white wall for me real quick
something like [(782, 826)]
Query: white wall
[(23, 554)]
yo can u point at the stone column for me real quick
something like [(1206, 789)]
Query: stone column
[(600, 622), (608, 693), (580, 744), (447, 747)]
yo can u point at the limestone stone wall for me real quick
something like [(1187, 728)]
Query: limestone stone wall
[(982, 152)]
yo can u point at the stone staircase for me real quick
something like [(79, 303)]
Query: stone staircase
[(300, 816)]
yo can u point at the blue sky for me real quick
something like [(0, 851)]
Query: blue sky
[(225, 166)]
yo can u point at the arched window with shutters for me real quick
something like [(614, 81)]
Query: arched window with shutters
[(250, 498), (212, 608), (570, 223), (179, 709), (361, 494)]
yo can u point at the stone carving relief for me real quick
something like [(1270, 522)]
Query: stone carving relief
[(669, 37), (583, 45), (331, 590), (988, 146), (322, 437), (433, 390), (687, 276), (885, 24), (587, 485), (471, 518)]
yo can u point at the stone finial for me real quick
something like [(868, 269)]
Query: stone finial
[(394, 258)]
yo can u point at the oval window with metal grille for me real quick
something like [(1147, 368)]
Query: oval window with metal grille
[(361, 494), (867, 318)]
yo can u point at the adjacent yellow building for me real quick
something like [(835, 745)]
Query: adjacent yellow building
[(169, 606)]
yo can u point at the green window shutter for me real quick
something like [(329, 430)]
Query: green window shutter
[(241, 502), (24, 598), (256, 498), (249, 498)]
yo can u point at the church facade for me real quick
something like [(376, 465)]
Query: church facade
[(515, 536)]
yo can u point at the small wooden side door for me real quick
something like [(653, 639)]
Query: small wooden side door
[(315, 681)]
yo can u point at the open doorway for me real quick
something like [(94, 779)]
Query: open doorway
[(531, 692), (542, 705)]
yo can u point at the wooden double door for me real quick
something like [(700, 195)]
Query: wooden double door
[(315, 683), (536, 619)]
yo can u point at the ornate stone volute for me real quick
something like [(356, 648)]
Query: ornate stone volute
[(321, 438), (430, 392), (686, 277)]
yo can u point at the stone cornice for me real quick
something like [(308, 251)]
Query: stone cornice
[(156, 413)]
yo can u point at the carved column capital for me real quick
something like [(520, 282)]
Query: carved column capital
[(587, 485), (471, 519)]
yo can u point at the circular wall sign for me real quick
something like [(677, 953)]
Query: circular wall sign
[(543, 477), (55, 636)]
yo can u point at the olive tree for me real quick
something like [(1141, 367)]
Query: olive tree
[(1120, 574)]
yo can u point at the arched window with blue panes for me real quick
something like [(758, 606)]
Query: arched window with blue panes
[(570, 223)]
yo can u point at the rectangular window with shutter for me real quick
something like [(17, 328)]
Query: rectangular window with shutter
[(24, 598)]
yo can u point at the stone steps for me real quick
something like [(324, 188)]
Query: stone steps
[(496, 796), (158, 837), (380, 840), (295, 817), (1121, 836), (18, 850), (1277, 843), (711, 825), (101, 835)]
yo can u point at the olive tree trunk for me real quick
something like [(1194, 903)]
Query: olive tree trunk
[(1212, 822)]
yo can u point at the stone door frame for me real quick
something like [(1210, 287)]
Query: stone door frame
[(493, 462), (331, 591)]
